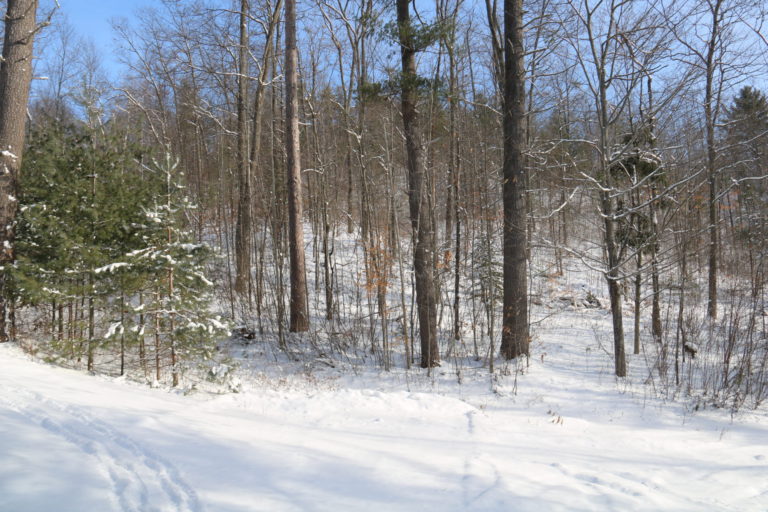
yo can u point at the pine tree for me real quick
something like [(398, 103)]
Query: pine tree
[(103, 239), (746, 136), (176, 285)]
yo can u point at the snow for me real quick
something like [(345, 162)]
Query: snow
[(112, 267), (114, 328), (202, 277), (191, 247), (562, 436), (217, 323)]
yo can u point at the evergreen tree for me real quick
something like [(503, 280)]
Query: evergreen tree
[(98, 235), (747, 135), (747, 119), (178, 291)]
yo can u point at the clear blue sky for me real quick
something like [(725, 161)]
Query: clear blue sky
[(91, 20)]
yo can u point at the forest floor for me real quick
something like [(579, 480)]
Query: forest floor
[(313, 435)]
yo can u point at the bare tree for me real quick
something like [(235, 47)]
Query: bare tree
[(243, 235), (717, 46), (298, 306), (514, 334), (605, 38), (423, 260), (710, 115), (448, 12), (57, 58)]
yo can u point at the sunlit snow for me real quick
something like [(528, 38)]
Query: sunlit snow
[(319, 438)]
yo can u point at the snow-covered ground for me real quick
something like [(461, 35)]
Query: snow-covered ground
[(563, 436)]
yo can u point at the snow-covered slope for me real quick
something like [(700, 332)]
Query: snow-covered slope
[(570, 439)]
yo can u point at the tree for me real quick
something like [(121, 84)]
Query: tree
[(424, 236), (243, 235), (58, 55), (184, 328), (299, 320), (711, 111), (81, 204), (746, 134), (449, 15), (607, 36), (103, 241), (747, 126), (514, 336), (712, 49), (15, 78)]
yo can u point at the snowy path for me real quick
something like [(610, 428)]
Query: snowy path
[(71, 442), (139, 479)]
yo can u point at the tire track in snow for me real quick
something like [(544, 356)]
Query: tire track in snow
[(141, 480)]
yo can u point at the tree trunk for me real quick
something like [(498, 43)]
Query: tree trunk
[(710, 112), (91, 331), (15, 78), (457, 267), (299, 321), (514, 337), (638, 297), (614, 292), (423, 260), (243, 237)]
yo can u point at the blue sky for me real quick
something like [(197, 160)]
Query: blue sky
[(91, 20)]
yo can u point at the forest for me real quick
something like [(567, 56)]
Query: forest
[(395, 184)]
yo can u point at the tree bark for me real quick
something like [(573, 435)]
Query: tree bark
[(243, 238), (710, 113), (423, 260), (15, 78), (299, 320), (638, 298), (514, 336)]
